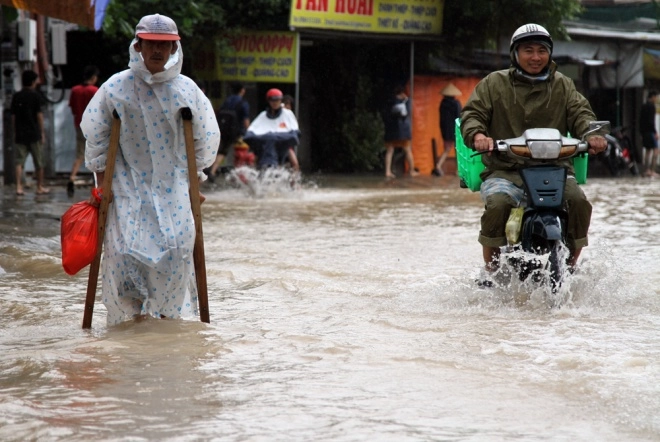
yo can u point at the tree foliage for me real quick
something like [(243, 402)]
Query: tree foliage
[(258, 14), (192, 17), (479, 24), (198, 19), (200, 22)]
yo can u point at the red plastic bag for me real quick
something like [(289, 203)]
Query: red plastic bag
[(79, 236)]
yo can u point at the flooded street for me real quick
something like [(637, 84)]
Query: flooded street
[(346, 310)]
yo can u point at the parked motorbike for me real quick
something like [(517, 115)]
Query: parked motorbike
[(618, 156), (541, 229)]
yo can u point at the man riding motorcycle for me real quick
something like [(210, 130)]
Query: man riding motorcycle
[(531, 93), (274, 133)]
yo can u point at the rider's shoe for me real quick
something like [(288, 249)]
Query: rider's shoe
[(486, 279), (501, 276), (210, 176), (484, 283)]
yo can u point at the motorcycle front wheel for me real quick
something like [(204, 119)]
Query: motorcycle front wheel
[(555, 265)]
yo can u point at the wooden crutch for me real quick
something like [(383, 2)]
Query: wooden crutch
[(198, 251), (103, 215)]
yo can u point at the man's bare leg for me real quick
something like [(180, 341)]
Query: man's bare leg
[(74, 169), (218, 161), (411, 161), (19, 178), (573, 257), (491, 258), (293, 159), (41, 189), (389, 153)]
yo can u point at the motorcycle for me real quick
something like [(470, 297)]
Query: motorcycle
[(262, 166), (538, 227), (618, 157)]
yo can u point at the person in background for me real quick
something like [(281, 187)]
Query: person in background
[(81, 94), (287, 102), (273, 133), (398, 130), (531, 93), (29, 135), (238, 110), (450, 110), (649, 134), (148, 267)]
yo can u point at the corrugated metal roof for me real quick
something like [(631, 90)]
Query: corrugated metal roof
[(584, 30)]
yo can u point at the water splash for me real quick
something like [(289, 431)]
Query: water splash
[(524, 279), (267, 182)]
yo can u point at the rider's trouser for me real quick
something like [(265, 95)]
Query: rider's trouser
[(499, 204)]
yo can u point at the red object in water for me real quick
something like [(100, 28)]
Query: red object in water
[(79, 234), (242, 157)]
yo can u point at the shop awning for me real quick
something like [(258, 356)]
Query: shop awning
[(88, 13)]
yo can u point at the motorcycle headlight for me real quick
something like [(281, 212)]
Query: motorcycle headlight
[(545, 150)]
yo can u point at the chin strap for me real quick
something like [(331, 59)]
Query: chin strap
[(534, 78)]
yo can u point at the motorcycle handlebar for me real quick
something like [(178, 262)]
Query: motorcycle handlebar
[(545, 143)]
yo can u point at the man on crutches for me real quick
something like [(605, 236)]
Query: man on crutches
[(152, 248)]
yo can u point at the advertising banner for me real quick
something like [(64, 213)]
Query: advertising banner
[(268, 56), (651, 64), (378, 16)]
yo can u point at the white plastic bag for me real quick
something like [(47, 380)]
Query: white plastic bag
[(514, 224), (400, 109)]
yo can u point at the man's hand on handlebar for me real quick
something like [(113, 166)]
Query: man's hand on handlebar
[(482, 143), (597, 144)]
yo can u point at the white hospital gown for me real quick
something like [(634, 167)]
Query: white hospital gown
[(147, 266)]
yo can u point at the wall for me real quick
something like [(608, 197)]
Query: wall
[(426, 116)]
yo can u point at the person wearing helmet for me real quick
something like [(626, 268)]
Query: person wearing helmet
[(274, 133), (531, 93), (274, 94)]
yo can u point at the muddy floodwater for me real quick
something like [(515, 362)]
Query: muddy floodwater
[(345, 310)]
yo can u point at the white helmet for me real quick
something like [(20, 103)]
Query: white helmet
[(531, 32)]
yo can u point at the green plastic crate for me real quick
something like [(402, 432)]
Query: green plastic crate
[(470, 168), (580, 164)]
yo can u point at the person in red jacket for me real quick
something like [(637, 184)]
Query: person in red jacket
[(81, 94)]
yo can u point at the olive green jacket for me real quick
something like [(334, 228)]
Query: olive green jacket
[(505, 104)]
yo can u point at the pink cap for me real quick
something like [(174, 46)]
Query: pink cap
[(157, 27)]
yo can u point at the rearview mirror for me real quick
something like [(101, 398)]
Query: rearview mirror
[(597, 127)]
